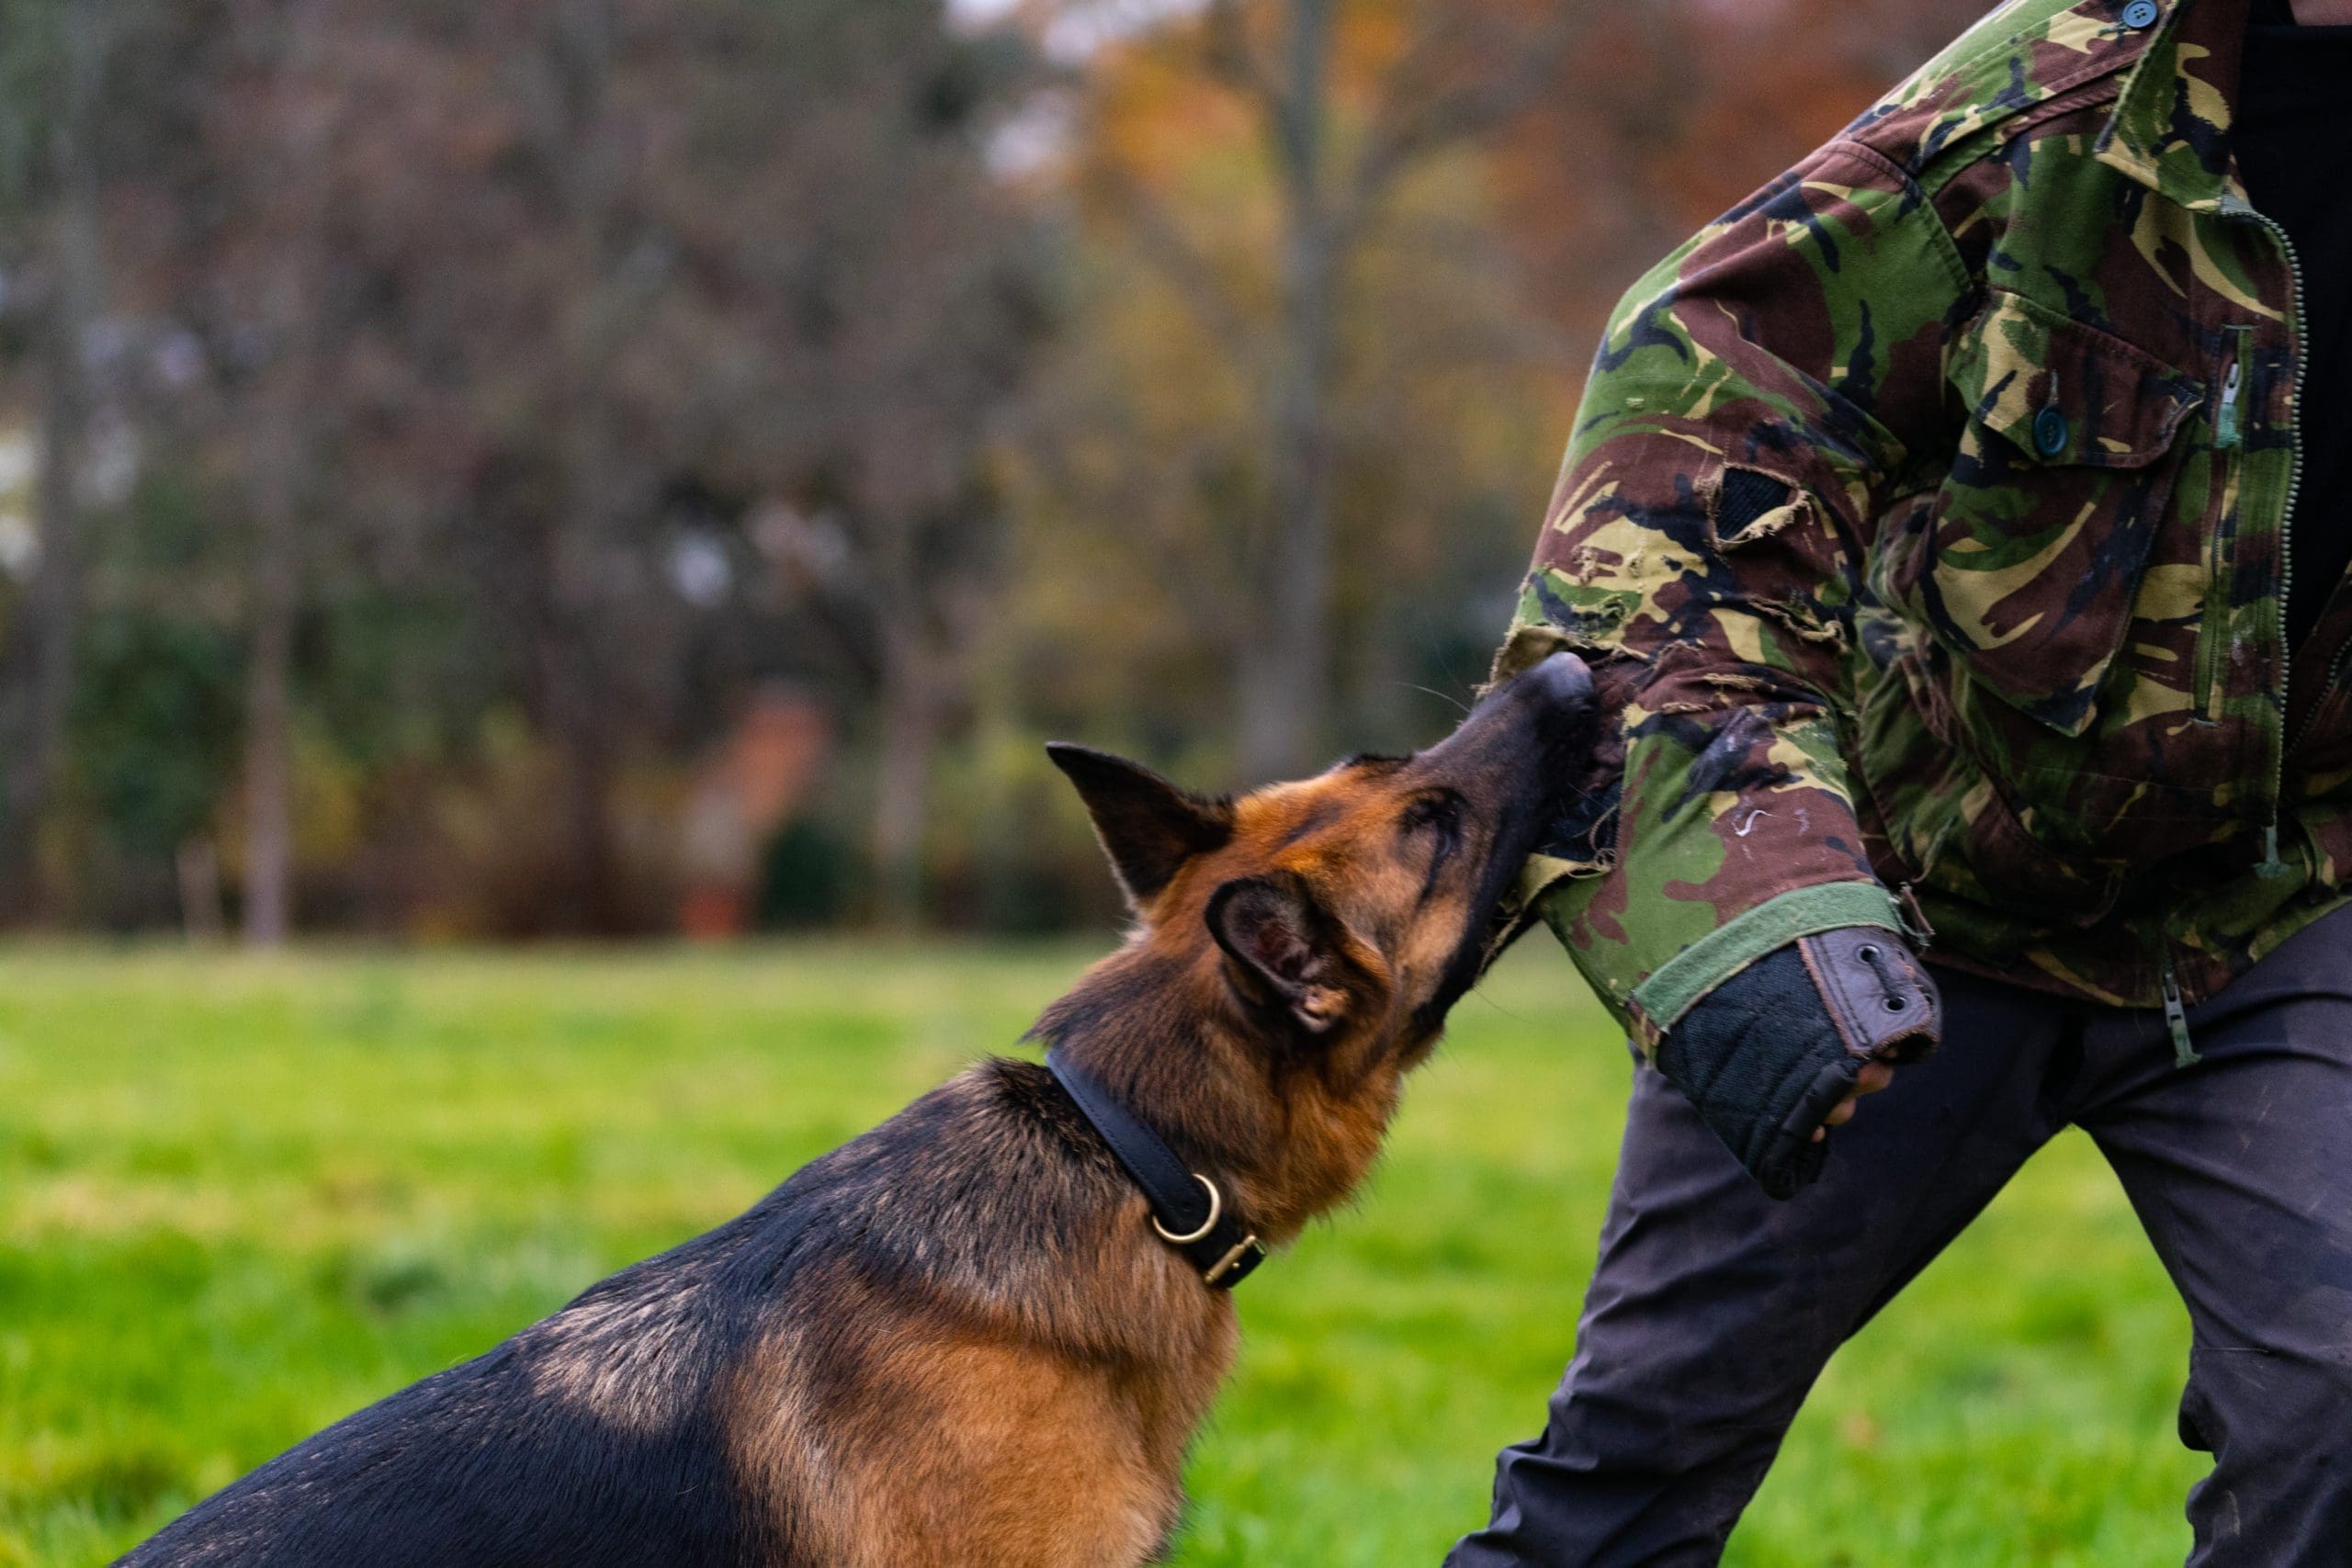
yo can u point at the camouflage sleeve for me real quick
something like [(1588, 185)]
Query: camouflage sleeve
[(1759, 400)]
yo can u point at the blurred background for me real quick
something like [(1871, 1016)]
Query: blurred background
[(479, 470)]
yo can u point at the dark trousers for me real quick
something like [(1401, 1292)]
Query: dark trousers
[(1713, 1308)]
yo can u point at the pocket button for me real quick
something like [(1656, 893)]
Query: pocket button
[(2049, 433)]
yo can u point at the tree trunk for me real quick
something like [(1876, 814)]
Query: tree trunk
[(908, 715), (592, 861), (283, 466), (40, 651), (269, 769), (581, 685), (596, 902), (1285, 683), (198, 866)]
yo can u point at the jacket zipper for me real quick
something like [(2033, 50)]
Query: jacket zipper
[(2214, 634), (2184, 1054), (2286, 527), (2226, 433)]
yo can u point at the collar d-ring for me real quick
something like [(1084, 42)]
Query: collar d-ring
[(1216, 1211)]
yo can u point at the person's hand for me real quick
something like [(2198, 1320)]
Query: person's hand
[(1785, 1050), (1875, 1075)]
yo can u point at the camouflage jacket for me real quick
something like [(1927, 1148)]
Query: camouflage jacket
[(1928, 514)]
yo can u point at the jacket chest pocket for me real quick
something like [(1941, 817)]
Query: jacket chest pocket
[(2027, 565)]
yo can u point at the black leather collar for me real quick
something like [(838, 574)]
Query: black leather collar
[(1190, 1213)]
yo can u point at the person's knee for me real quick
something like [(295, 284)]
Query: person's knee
[(1679, 1428), (2257, 1394), (2273, 1420)]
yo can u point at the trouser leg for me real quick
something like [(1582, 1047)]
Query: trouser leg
[(1713, 1308), (2240, 1169)]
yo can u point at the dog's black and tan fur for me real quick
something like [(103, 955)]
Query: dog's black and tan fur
[(956, 1340)]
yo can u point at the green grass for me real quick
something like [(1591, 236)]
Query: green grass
[(240, 1199)]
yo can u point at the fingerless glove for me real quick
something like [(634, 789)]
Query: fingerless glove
[(1769, 1053)]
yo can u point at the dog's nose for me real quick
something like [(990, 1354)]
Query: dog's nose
[(1561, 681)]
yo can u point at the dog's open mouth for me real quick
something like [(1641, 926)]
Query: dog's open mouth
[(1548, 829), (1522, 905), (1577, 842)]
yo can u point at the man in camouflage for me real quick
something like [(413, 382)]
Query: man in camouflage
[(1927, 520)]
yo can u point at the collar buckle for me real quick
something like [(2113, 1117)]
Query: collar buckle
[(1237, 1265)]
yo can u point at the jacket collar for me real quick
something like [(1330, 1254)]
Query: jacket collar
[(2171, 130)]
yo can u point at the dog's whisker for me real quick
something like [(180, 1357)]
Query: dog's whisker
[(1433, 692)]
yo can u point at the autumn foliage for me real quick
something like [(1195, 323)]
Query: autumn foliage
[(438, 443)]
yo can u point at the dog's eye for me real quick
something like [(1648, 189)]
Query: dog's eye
[(1439, 814)]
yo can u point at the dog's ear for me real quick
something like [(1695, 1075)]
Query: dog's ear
[(1148, 827), (1282, 948)]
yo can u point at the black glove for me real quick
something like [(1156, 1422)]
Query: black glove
[(1769, 1053)]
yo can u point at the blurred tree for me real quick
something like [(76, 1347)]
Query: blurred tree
[(539, 306), (900, 303), (1669, 115), (1430, 78), (727, 292), (55, 53), (155, 733), (1290, 217), (269, 282)]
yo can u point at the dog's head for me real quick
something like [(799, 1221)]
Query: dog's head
[(1344, 915)]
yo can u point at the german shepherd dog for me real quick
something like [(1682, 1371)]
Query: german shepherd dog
[(961, 1341)]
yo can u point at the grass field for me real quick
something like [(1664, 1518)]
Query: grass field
[(240, 1199)]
